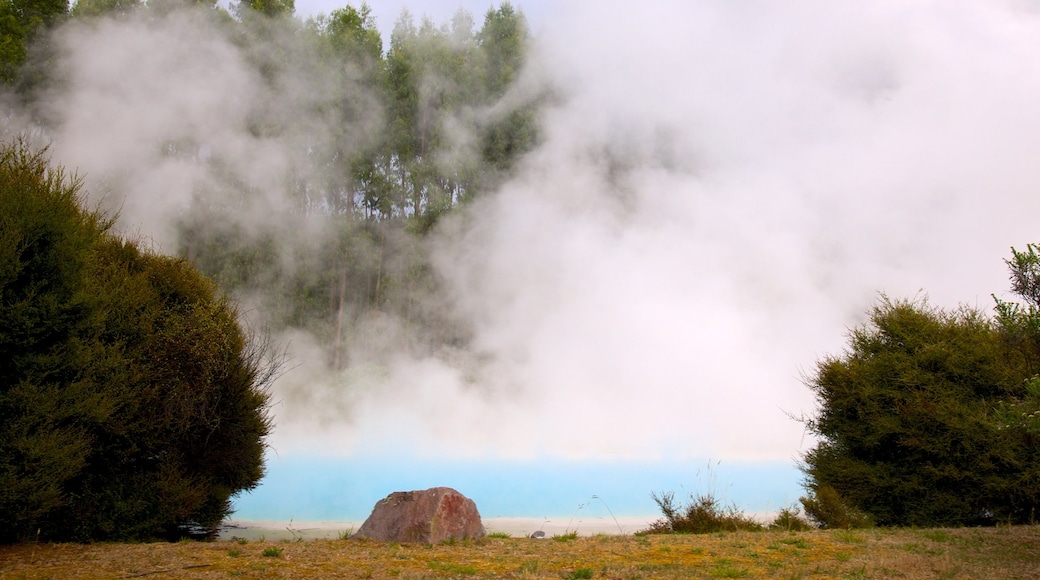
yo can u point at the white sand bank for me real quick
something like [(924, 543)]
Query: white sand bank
[(518, 527)]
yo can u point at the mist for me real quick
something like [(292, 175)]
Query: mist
[(720, 192)]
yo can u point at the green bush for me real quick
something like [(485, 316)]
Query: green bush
[(913, 422), (132, 404)]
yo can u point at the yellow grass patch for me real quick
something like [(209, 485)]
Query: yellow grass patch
[(952, 553)]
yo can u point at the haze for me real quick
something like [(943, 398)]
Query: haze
[(722, 190)]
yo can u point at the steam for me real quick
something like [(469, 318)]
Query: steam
[(721, 191)]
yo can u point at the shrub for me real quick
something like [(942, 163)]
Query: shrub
[(791, 520), (913, 420), (132, 404), (702, 515), (824, 506)]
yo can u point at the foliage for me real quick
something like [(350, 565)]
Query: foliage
[(704, 514), (791, 520), (132, 405), (914, 423), (269, 8), (436, 133), (825, 507), (20, 23)]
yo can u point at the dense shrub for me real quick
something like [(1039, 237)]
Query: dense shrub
[(132, 404), (913, 423)]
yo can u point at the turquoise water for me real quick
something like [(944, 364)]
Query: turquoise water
[(315, 488)]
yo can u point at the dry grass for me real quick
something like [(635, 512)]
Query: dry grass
[(933, 553)]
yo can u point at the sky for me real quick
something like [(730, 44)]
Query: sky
[(723, 189)]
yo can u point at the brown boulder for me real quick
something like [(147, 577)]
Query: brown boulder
[(430, 516)]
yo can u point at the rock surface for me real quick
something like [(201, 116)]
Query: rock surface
[(430, 516)]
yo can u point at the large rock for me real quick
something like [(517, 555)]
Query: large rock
[(430, 516)]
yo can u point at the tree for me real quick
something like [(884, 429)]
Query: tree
[(132, 404), (266, 7), (911, 422), (20, 22), (91, 8)]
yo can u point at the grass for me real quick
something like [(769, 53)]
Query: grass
[(812, 555)]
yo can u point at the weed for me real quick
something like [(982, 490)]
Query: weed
[(499, 535), (242, 541), (860, 572), (272, 553), (611, 512), (790, 519), (297, 536), (796, 542), (940, 536), (580, 574), (345, 534), (725, 569), (454, 569), (566, 537), (825, 506), (703, 515), (234, 553)]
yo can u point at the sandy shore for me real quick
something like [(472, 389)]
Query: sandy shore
[(513, 526)]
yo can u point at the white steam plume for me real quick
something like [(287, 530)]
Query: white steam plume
[(722, 189)]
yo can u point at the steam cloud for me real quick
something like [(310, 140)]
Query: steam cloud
[(722, 190)]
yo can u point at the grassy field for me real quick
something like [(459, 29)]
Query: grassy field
[(879, 553)]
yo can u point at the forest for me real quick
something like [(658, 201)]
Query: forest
[(135, 395), (407, 131)]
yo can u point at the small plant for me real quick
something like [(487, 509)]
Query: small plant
[(272, 553), (241, 541), (454, 569), (728, 570), (566, 537), (499, 535), (234, 553), (826, 507), (791, 520), (297, 535), (703, 515), (580, 574), (345, 534), (797, 543), (940, 536)]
